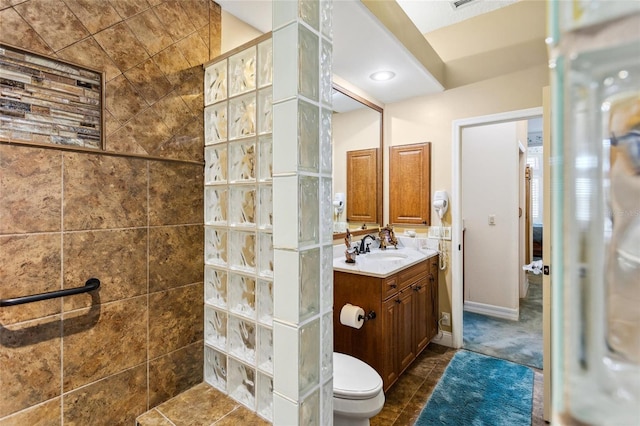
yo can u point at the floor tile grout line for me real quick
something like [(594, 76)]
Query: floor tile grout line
[(163, 415), (408, 401), (226, 415)]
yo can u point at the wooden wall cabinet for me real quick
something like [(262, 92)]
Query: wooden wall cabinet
[(364, 186), (410, 184), (406, 317)]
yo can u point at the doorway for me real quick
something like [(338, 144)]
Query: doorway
[(456, 207), (502, 313), (457, 268)]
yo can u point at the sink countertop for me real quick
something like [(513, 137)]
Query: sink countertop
[(377, 266)]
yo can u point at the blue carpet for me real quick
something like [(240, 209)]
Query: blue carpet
[(480, 390), (518, 341)]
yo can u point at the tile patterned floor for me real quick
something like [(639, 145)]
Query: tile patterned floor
[(205, 406)]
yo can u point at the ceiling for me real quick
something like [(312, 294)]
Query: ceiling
[(429, 45), (430, 15)]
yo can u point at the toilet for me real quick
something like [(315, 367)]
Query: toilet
[(357, 391)]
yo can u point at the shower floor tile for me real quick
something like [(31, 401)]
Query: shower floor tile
[(200, 405)]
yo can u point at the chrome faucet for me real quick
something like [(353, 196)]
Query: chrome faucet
[(364, 249)]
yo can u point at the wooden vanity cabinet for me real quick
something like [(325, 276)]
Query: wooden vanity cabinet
[(404, 324)]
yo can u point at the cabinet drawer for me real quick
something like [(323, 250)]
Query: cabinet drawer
[(410, 275), (389, 286)]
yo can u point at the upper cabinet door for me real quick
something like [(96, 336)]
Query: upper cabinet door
[(410, 184), (363, 188)]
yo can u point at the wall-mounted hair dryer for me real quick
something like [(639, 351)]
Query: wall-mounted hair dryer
[(338, 202), (441, 203)]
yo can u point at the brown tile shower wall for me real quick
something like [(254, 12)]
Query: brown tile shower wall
[(135, 223)]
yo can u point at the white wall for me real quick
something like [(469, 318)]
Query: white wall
[(490, 186), (235, 32)]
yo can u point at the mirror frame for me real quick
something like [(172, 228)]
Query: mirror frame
[(380, 168)]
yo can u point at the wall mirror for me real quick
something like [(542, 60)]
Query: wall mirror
[(357, 133)]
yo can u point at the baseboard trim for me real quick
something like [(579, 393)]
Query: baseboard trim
[(444, 338), (491, 310)]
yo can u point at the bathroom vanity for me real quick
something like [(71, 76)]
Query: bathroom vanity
[(401, 287)]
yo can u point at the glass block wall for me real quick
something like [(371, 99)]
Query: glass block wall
[(239, 265), (268, 220), (302, 221)]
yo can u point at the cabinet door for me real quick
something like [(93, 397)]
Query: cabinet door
[(422, 306), (406, 346), (363, 191), (390, 339), (410, 184)]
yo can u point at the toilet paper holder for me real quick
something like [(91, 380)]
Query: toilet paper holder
[(371, 315)]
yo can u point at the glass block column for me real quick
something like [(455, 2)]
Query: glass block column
[(594, 48), (239, 266), (302, 213)]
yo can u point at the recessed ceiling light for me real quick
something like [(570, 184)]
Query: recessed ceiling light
[(382, 75)]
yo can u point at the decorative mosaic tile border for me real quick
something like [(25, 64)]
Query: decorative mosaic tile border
[(48, 101)]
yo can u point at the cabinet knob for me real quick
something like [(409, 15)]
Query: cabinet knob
[(393, 285), (398, 301), (417, 288)]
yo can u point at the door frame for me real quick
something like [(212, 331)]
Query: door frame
[(457, 297)]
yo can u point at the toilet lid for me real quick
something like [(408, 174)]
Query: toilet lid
[(354, 379)]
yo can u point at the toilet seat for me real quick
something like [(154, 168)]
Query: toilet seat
[(354, 379)]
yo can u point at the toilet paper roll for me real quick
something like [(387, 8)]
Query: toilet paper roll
[(352, 316)]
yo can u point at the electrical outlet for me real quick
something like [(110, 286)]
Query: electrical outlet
[(446, 319), (440, 232), (434, 232)]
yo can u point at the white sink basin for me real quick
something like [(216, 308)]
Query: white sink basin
[(385, 255), (380, 263)]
